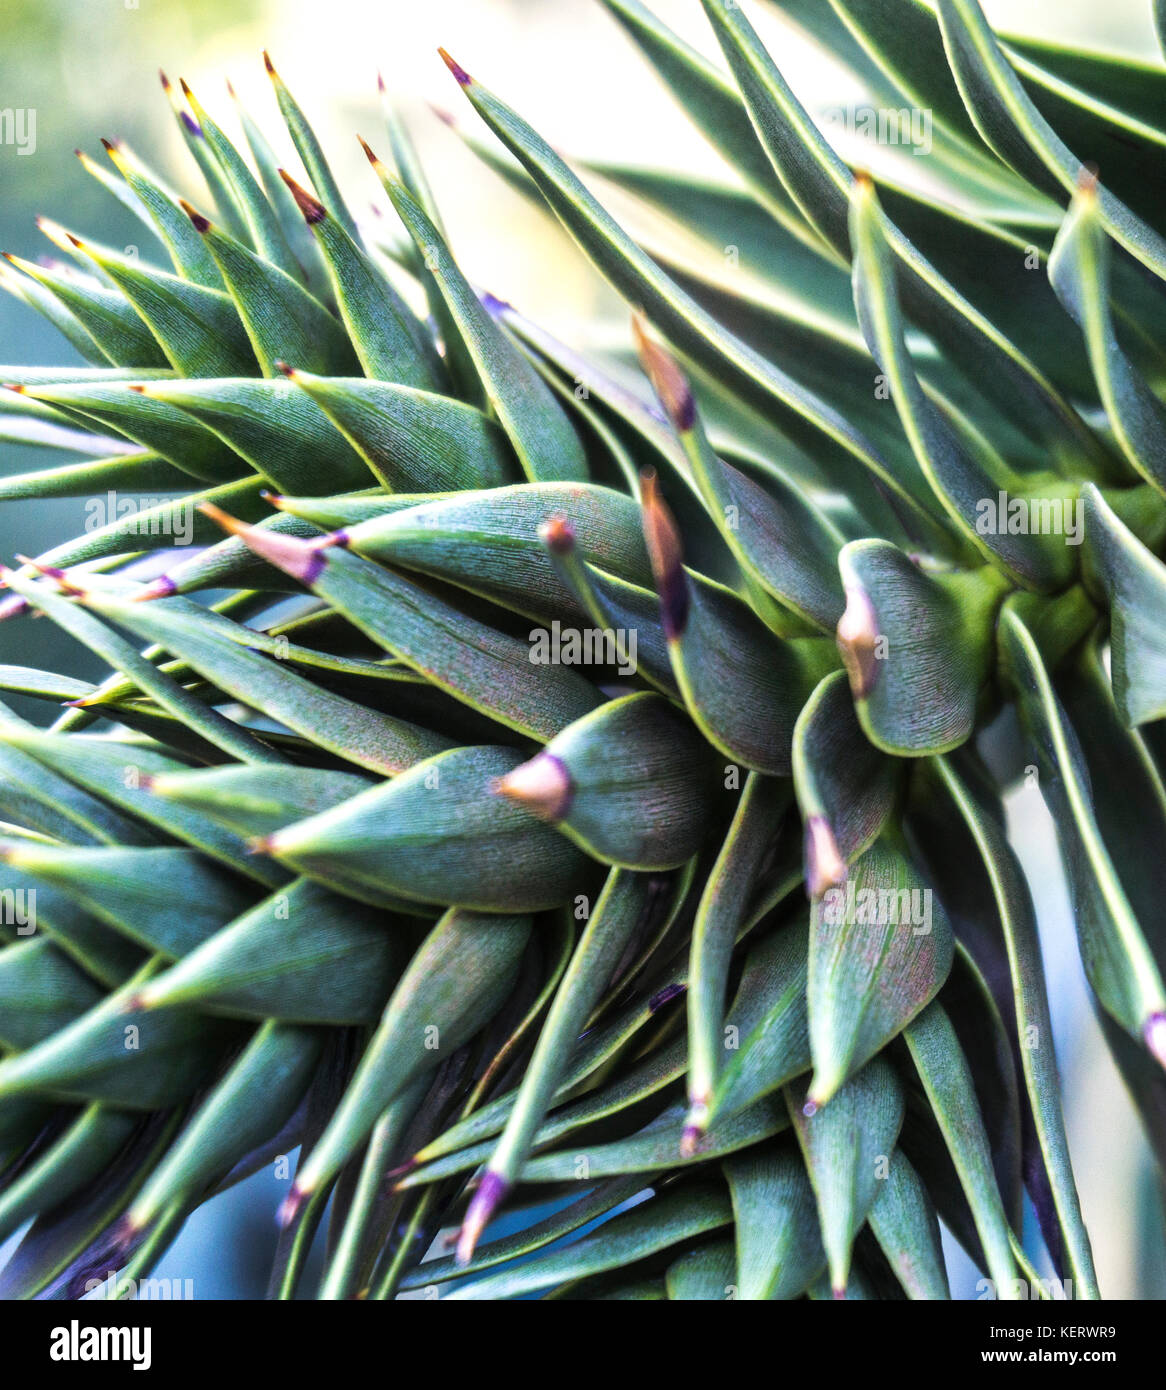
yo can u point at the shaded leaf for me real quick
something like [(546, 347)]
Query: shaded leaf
[(845, 1145)]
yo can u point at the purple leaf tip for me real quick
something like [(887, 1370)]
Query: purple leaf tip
[(458, 71), (485, 1201)]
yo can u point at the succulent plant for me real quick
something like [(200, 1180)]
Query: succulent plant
[(530, 779)]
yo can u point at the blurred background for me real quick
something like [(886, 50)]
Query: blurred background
[(88, 68)]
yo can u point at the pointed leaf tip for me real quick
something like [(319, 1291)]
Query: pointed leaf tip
[(314, 211), (557, 534), (462, 76), (825, 867), (298, 558), (696, 1124), (1155, 1036), (485, 1201), (857, 635), (666, 555), (202, 224), (161, 587), (289, 1208), (543, 785), (333, 540), (371, 157), (668, 381)]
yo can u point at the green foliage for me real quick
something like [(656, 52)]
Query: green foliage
[(342, 854)]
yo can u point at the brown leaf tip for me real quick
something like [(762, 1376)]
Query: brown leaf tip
[(557, 534), (662, 537), (462, 76), (825, 866), (268, 64), (201, 224), (858, 639), (696, 1125), (369, 155), (313, 210), (221, 518), (689, 1139), (668, 381), (1087, 178)]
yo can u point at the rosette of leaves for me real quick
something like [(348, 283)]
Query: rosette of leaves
[(709, 960)]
